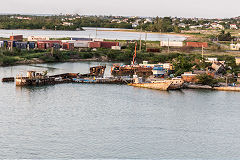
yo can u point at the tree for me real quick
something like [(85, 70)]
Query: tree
[(206, 79), (182, 64), (225, 36)]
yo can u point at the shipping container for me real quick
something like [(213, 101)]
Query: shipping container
[(97, 40), (11, 44), (94, 44), (109, 44), (21, 45), (31, 45), (41, 45), (68, 46), (116, 48), (197, 44), (16, 38), (81, 44), (171, 44), (81, 39), (48, 44), (37, 38), (1, 44), (56, 45), (153, 50)]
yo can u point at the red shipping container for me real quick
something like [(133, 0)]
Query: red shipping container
[(153, 50), (109, 44), (47, 44), (94, 45), (16, 38), (197, 44), (41, 45)]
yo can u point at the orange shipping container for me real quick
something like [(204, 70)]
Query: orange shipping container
[(16, 38), (197, 44)]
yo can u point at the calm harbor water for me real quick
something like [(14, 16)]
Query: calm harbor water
[(104, 33), (73, 121)]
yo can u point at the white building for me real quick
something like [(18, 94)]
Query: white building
[(217, 26), (211, 60), (182, 25), (235, 47), (233, 26), (67, 24)]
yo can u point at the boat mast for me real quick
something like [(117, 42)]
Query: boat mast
[(135, 54)]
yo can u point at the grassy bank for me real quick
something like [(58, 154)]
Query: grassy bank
[(125, 55)]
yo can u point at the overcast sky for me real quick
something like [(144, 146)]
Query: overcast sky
[(179, 8)]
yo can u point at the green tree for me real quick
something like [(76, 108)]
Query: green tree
[(206, 79)]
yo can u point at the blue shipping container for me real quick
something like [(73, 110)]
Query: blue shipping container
[(21, 45), (31, 45), (81, 39)]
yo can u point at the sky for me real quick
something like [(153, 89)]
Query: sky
[(178, 8)]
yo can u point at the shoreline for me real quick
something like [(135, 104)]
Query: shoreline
[(39, 61), (161, 33)]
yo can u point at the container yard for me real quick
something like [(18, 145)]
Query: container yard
[(44, 43)]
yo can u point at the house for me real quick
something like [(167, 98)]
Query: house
[(218, 67), (134, 25), (196, 27), (166, 66), (237, 59), (235, 47), (217, 26), (148, 21), (233, 26), (189, 77), (182, 25), (67, 24)]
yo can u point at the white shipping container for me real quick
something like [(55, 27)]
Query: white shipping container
[(81, 44), (37, 38), (116, 47), (68, 41), (1, 44), (97, 40), (171, 44)]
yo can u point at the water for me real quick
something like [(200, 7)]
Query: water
[(72, 121), (104, 33)]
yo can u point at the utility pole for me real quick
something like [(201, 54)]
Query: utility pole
[(226, 81), (146, 39), (140, 47), (202, 52), (168, 47), (160, 39), (96, 32)]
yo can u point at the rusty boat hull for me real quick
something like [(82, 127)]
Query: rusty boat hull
[(163, 86)]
